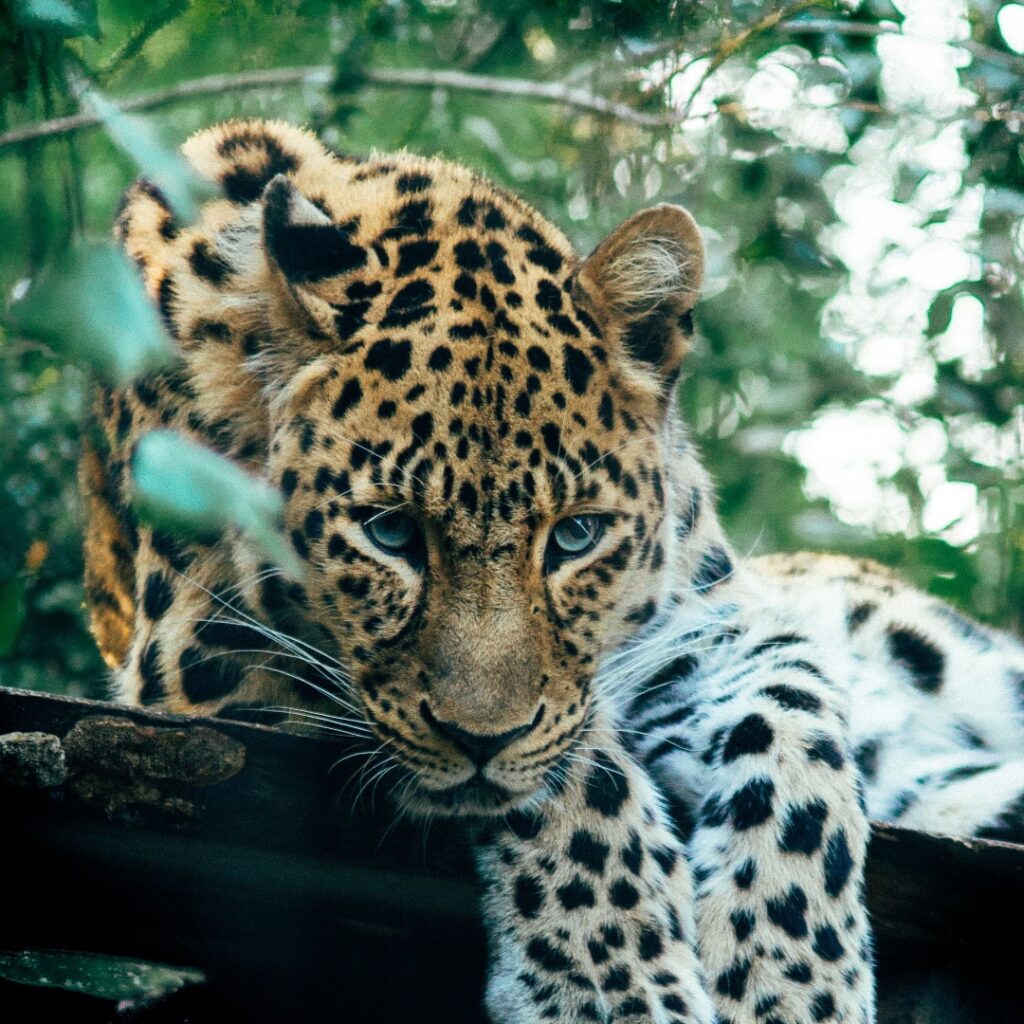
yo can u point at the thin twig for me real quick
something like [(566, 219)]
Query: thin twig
[(731, 45), (838, 26)]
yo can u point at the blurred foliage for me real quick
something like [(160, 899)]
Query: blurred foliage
[(106, 977), (857, 384)]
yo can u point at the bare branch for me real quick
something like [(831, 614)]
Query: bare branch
[(838, 26), (552, 92), (320, 75)]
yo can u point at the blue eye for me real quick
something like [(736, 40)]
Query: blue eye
[(575, 535), (392, 531)]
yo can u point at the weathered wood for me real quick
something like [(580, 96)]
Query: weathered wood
[(236, 848)]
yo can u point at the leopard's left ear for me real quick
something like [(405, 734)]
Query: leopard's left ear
[(644, 279)]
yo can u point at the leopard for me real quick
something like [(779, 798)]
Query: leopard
[(515, 582)]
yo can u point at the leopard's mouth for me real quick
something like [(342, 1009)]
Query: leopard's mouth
[(477, 796)]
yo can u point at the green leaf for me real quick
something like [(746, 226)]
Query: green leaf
[(57, 17), (91, 304), (183, 487), (107, 977), (941, 311), (165, 167), (12, 613)]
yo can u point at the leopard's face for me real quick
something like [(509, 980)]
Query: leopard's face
[(480, 522), (470, 426)]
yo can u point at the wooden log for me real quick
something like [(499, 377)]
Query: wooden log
[(240, 849)]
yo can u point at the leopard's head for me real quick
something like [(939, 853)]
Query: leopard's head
[(471, 427)]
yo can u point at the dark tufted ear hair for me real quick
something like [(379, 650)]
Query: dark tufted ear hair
[(301, 240), (644, 278)]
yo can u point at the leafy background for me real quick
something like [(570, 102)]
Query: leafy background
[(857, 384)]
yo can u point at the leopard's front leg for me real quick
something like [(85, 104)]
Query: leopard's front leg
[(589, 906), (780, 835)]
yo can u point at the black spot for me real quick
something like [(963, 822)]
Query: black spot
[(733, 982), (922, 659), (541, 952), (803, 826), (753, 735), (299, 543), (586, 849), (524, 824), (529, 895), (617, 979), (543, 256), (823, 1006), (824, 748), (623, 894), (633, 853), (859, 614), (578, 369), (799, 972), (745, 874), (751, 804), (649, 944), (412, 219), (715, 567), (548, 296), (665, 857), (743, 922), (408, 305), (243, 185), (607, 789), (207, 677), (613, 936), (598, 951), (440, 358), (166, 298), (208, 263), (827, 944), (499, 267), (413, 255), (787, 912), (657, 688), (153, 688), (412, 182), (538, 359), (468, 255), (563, 324), (713, 812), (468, 497), (391, 358), (575, 894), (314, 524), (792, 698), (644, 613), (674, 1003), (350, 396), (156, 595)]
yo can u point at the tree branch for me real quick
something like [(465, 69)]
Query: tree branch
[(424, 78), (320, 75), (838, 26)]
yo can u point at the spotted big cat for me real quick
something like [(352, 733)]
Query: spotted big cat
[(515, 581)]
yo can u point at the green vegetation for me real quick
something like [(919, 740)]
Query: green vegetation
[(858, 383)]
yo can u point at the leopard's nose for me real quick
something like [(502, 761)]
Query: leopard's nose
[(479, 747)]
